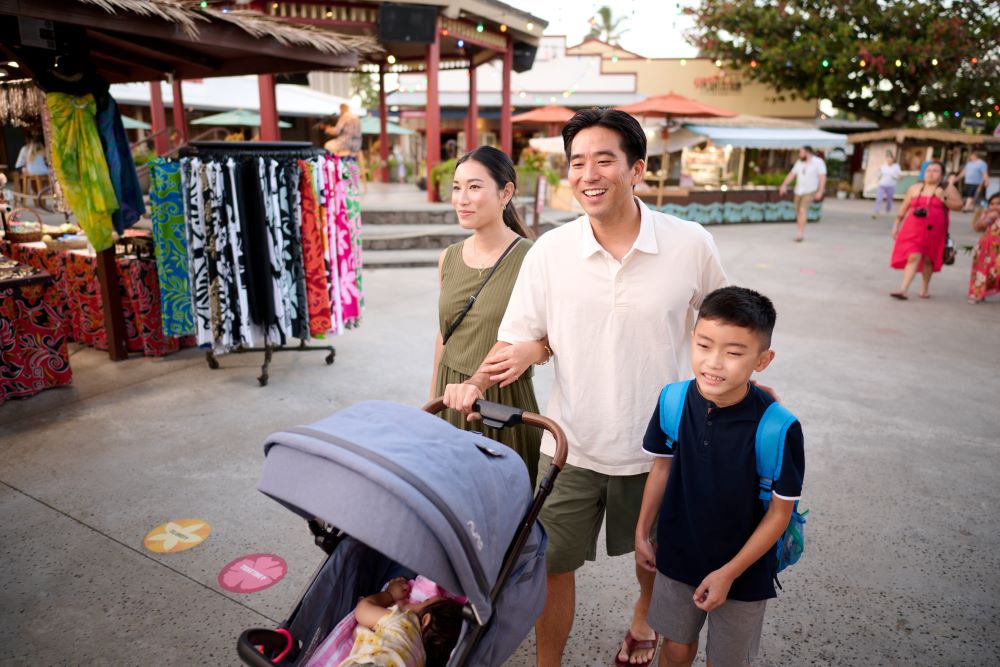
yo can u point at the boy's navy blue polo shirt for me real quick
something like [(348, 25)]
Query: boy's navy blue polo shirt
[(711, 505)]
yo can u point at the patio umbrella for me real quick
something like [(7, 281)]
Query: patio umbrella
[(135, 124), (236, 117), (671, 105), (551, 116)]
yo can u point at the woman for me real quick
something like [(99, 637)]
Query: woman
[(888, 177), (985, 280), (921, 228), (482, 193)]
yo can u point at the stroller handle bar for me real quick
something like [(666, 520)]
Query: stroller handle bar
[(497, 415)]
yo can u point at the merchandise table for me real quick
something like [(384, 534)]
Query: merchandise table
[(33, 354), (76, 297)]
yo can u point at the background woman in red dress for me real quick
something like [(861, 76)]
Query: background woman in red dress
[(922, 228)]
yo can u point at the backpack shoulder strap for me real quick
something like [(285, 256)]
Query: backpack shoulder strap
[(770, 445), (672, 400)]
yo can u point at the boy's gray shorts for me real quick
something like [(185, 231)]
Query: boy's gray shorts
[(733, 628)]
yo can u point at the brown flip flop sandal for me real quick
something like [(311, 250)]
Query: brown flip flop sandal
[(898, 295), (632, 645)]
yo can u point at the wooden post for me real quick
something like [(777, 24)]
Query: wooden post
[(161, 139), (268, 109), (506, 127), (433, 112), (180, 118), (111, 304), (472, 132), (383, 125)]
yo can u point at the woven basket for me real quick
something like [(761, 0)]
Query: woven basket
[(23, 237), (66, 244)]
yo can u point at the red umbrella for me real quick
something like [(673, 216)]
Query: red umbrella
[(549, 114), (670, 105)]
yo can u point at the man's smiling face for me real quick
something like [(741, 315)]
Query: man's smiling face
[(600, 175)]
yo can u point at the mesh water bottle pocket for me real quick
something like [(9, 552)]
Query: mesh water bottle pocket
[(793, 541)]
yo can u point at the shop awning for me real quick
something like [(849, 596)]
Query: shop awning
[(655, 144), (768, 137)]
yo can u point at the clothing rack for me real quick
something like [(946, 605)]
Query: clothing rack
[(279, 151), (298, 150)]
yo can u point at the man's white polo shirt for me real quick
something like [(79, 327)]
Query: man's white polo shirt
[(619, 331)]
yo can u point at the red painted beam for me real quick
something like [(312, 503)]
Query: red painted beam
[(383, 125), (472, 130), (433, 111), (161, 137), (506, 127), (180, 118), (268, 109)]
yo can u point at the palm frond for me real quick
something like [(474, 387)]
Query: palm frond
[(260, 25), (174, 11)]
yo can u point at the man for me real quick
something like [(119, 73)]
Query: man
[(614, 293), (810, 181), (974, 172), (346, 133)]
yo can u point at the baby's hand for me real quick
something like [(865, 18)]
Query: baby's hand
[(399, 589)]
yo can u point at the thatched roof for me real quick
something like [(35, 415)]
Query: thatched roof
[(903, 135), (188, 15)]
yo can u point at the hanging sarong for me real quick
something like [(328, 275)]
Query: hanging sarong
[(121, 167), (317, 285), (170, 243), (79, 164)]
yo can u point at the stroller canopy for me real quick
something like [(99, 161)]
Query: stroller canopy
[(441, 501)]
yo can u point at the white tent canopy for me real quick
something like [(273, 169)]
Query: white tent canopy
[(234, 92), (768, 137)]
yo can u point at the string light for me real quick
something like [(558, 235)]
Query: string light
[(503, 27), (975, 60), (329, 15), (203, 4), (684, 62), (718, 63), (947, 113), (957, 114), (461, 43), (444, 32), (391, 59), (979, 115), (614, 59), (826, 63), (479, 27), (530, 26), (934, 61), (899, 63), (863, 63), (753, 64)]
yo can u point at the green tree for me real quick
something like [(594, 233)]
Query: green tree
[(605, 27), (365, 86), (886, 60)]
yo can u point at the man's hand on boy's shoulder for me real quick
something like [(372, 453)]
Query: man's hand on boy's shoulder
[(767, 390), (713, 590)]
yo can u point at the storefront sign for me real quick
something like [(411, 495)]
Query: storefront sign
[(252, 573), (178, 535)]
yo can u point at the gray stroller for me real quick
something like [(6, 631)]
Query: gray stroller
[(390, 490)]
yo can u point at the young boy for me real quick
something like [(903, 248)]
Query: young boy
[(716, 545)]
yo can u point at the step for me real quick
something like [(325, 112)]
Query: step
[(385, 259), (406, 237)]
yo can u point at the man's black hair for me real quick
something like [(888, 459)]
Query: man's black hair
[(632, 137), (809, 149), (741, 307)]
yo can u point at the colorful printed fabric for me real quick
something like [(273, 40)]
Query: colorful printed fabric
[(33, 352), (121, 167), (78, 160), (170, 242), (330, 233), (317, 286), (351, 175), (194, 213), (985, 278)]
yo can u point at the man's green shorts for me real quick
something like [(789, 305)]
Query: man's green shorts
[(573, 513)]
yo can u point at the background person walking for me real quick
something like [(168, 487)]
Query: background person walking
[(974, 173), (921, 229), (809, 174), (888, 177)]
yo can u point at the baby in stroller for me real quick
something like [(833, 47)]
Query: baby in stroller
[(397, 627)]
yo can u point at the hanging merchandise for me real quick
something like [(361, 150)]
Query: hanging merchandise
[(170, 239), (121, 166), (270, 229), (21, 102), (59, 197), (78, 160)]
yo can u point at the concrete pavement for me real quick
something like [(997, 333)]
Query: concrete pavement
[(897, 401)]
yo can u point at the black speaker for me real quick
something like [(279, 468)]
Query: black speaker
[(415, 24), (524, 56)]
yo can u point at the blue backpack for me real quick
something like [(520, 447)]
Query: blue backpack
[(770, 448)]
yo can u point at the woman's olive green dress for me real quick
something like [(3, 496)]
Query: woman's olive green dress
[(473, 339)]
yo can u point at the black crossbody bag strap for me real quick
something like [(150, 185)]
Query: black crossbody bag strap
[(472, 299)]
